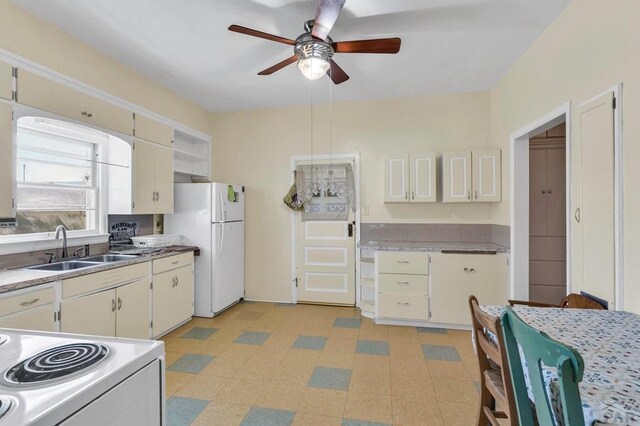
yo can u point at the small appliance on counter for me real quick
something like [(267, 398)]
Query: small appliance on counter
[(66, 379), (211, 217)]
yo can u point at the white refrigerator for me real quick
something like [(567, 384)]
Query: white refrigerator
[(211, 216)]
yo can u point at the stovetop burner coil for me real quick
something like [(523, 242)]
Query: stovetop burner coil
[(57, 362), (5, 405)]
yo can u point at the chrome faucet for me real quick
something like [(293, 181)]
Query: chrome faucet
[(65, 253)]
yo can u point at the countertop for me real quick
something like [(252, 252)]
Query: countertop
[(16, 279), (432, 246)]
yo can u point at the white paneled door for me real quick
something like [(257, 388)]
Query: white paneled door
[(325, 259), (592, 193)]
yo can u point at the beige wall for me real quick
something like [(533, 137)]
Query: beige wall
[(591, 46), (254, 148), (33, 39)]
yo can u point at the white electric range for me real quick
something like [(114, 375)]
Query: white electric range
[(56, 378)]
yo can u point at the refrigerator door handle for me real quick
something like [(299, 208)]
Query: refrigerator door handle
[(222, 215), (221, 240)]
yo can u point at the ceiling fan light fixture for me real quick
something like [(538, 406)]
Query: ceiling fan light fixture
[(314, 67)]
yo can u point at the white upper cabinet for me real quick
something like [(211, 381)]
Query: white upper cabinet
[(42, 93), (396, 179), (472, 176), (487, 179), (7, 163), (423, 177), (154, 131), (456, 177), (410, 178), (153, 178), (6, 81), (144, 184)]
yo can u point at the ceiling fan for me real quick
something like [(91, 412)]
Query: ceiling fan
[(314, 49)]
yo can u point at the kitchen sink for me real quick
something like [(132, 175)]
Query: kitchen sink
[(68, 265), (108, 258)]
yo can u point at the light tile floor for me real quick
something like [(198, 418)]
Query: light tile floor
[(278, 364)]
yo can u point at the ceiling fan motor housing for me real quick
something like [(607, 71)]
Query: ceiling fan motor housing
[(308, 46)]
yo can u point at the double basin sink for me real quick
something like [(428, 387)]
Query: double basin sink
[(85, 262)]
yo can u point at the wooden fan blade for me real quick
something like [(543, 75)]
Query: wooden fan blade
[(326, 15), (337, 74), (380, 45), (279, 66), (256, 33)]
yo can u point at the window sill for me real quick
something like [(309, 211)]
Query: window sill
[(10, 247)]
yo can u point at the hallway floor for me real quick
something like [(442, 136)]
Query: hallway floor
[(279, 364)]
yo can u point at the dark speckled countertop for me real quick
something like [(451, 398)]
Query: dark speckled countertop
[(432, 246), (16, 279)]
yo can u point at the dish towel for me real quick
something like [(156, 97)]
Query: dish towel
[(291, 199), (231, 195)]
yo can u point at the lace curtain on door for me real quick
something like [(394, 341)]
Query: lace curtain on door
[(326, 191)]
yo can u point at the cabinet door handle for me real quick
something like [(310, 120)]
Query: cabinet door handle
[(468, 195), (157, 196), (175, 262), (89, 115), (544, 192), (577, 215), (113, 305), (476, 194), (402, 262), (413, 195), (472, 270), (404, 303), (177, 281), (549, 191), (402, 282), (29, 302), (466, 269), (119, 303), (84, 113), (406, 195)]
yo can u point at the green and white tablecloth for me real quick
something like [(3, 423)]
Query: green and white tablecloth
[(609, 343)]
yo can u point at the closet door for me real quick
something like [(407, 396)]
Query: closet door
[(556, 192), (538, 192), (593, 173)]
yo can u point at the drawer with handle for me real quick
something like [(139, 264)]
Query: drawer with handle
[(403, 262), (405, 306), (172, 262), (401, 283), (91, 282), (12, 304)]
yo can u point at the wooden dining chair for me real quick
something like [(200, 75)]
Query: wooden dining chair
[(495, 381), (573, 300), (539, 349)]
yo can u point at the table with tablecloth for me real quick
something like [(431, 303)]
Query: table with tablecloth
[(609, 343)]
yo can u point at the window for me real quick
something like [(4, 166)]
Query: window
[(57, 177)]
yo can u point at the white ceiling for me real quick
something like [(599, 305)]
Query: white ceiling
[(447, 45)]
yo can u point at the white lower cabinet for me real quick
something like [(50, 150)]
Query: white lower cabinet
[(122, 312), (435, 288), (40, 319), (118, 302), (172, 298), (30, 310), (133, 309), (93, 314), (402, 285), (454, 277)]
